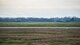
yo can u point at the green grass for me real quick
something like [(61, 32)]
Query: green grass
[(40, 24), (12, 42), (16, 42), (31, 43)]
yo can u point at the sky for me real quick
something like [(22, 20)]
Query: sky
[(39, 8)]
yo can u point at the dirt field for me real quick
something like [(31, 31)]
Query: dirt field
[(39, 36)]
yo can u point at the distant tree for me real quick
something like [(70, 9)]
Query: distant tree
[(30, 19)]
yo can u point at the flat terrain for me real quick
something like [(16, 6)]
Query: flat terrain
[(39, 24), (40, 36)]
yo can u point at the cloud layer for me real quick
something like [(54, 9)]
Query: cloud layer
[(39, 8)]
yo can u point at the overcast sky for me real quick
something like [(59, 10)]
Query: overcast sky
[(39, 8)]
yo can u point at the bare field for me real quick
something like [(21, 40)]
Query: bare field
[(39, 36)]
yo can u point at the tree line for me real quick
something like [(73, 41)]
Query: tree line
[(31, 19)]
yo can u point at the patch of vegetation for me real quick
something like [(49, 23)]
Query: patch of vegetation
[(29, 43), (42, 24), (9, 42)]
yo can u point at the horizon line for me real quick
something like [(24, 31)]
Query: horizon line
[(41, 17)]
